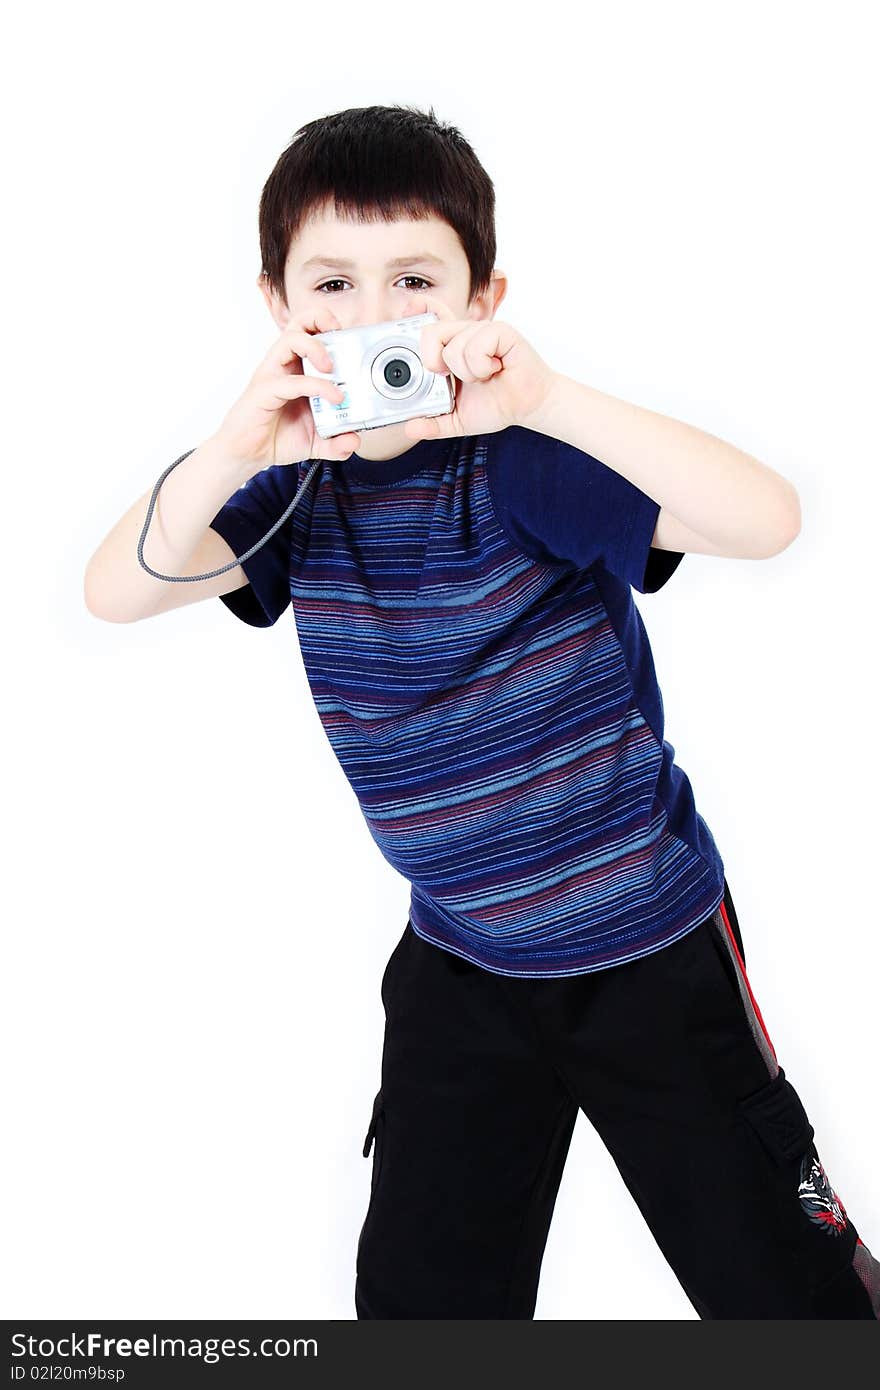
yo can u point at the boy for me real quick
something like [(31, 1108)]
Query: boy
[(462, 590)]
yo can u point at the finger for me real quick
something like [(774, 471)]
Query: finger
[(431, 427), (298, 340), (318, 319), (343, 445), (322, 318), (435, 337), (422, 428), (297, 345), (465, 356), (481, 352), (417, 303), (288, 387)]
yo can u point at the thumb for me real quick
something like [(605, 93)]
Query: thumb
[(425, 427)]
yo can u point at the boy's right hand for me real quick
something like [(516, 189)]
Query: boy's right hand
[(272, 422)]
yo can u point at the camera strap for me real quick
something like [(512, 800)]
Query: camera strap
[(211, 574)]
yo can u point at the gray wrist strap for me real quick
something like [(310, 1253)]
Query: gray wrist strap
[(191, 578)]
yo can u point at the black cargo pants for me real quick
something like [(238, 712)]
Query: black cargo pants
[(669, 1058)]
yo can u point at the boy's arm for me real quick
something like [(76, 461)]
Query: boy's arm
[(180, 541), (211, 553), (670, 533), (735, 505)]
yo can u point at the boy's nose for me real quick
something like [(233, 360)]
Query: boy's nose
[(374, 313), (381, 309)]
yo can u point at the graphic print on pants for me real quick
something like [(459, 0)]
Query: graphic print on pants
[(818, 1198)]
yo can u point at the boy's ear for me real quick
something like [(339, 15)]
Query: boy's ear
[(487, 303), (277, 308)]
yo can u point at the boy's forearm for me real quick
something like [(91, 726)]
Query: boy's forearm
[(722, 493), (116, 585)]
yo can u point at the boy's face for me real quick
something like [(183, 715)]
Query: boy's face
[(429, 259)]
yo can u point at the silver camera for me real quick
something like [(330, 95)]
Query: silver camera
[(385, 382)]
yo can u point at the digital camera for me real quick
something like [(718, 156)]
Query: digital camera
[(385, 382)]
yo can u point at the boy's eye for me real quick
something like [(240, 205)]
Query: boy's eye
[(425, 284)]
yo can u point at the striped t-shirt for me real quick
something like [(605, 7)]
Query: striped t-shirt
[(466, 621)]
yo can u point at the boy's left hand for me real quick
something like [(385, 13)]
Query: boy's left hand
[(501, 379)]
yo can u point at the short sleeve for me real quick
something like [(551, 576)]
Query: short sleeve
[(560, 505), (244, 520)]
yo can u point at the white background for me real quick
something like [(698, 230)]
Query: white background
[(196, 917)]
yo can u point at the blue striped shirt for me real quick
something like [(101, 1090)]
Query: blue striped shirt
[(466, 621)]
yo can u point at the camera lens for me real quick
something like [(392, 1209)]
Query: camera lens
[(397, 372)]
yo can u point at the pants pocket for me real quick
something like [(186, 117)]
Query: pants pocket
[(375, 1133), (374, 1121), (776, 1114)]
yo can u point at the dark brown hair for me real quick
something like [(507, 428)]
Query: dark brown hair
[(373, 163)]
